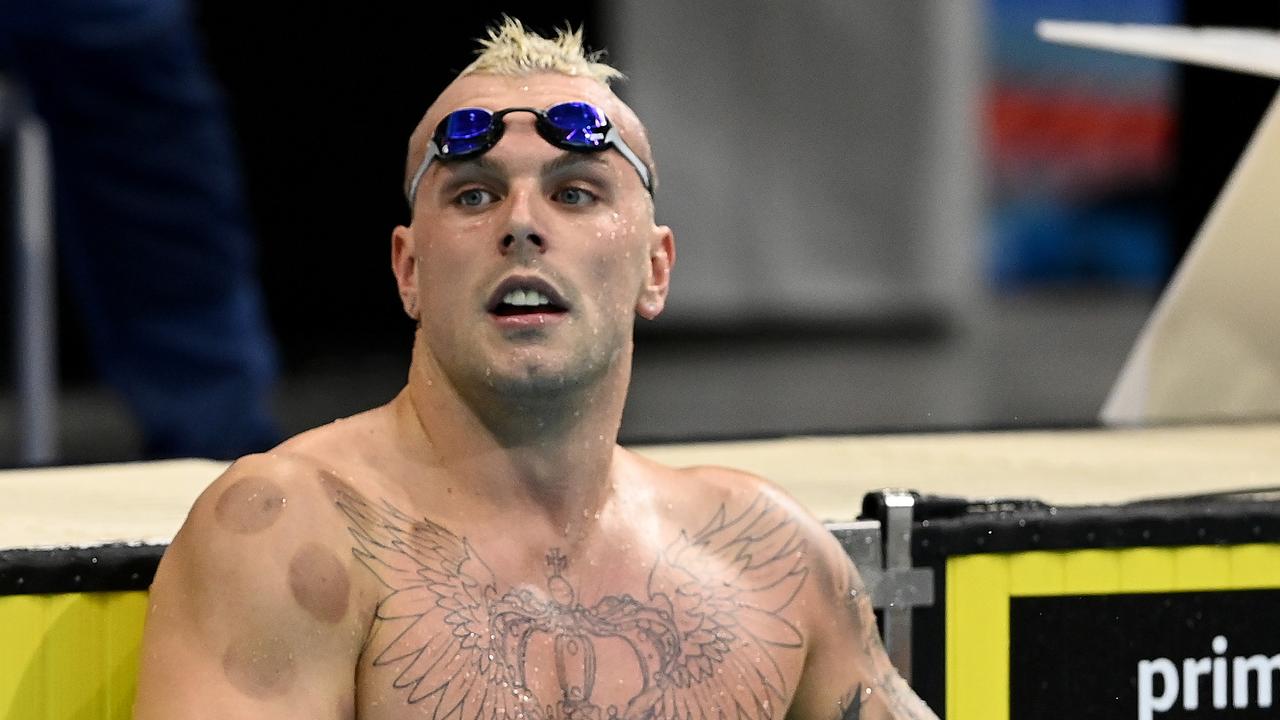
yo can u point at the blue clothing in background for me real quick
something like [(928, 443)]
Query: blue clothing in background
[(152, 229)]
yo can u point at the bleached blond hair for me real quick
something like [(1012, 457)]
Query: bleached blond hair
[(511, 49)]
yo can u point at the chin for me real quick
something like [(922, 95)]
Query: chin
[(541, 381), (544, 374)]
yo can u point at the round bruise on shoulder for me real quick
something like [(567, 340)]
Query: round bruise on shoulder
[(260, 667), (250, 505), (319, 582)]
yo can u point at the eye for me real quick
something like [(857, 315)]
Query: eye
[(474, 197), (574, 196)]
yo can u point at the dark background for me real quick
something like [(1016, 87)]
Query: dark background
[(1077, 656), (324, 102), (322, 98)]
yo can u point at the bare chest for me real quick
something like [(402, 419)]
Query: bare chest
[(699, 632)]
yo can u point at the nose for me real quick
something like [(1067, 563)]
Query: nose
[(514, 241), (523, 233)]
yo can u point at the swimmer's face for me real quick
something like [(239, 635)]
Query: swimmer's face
[(575, 228)]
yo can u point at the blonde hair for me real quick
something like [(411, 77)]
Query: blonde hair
[(511, 49)]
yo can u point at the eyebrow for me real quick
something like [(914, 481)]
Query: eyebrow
[(569, 160), (479, 164), (464, 171)]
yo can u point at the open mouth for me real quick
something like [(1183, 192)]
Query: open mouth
[(522, 301), (526, 296)]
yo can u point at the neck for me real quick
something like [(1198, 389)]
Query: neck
[(550, 454)]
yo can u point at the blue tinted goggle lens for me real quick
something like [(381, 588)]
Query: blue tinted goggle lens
[(573, 124), (464, 131), (580, 123)]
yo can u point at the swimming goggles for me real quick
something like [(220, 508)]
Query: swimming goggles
[(575, 126)]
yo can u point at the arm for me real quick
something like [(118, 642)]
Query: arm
[(252, 611), (848, 675)]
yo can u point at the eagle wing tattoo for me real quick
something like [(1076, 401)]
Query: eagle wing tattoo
[(724, 588), (706, 639), (439, 614)]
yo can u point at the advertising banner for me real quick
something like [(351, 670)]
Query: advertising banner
[(1149, 656)]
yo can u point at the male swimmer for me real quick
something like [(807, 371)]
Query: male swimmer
[(481, 547)]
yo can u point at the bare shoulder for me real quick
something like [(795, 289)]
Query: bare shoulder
[(255, 537), (702, 493), (708, 486), (254, 601), (265, 495), (704, 481), (345, 441)]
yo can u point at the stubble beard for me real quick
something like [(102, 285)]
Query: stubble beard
[(552, 386)]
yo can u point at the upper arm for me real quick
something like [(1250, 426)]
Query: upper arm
[(847, 672), (252, 609)]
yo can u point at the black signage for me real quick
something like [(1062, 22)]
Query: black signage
[(1156, 656)]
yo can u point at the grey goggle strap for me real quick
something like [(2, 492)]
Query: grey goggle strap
[(433, 152), (613, 137)]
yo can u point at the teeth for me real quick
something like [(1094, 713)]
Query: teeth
[(525, 297)]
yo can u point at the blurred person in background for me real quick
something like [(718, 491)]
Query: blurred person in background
[(151, 225)]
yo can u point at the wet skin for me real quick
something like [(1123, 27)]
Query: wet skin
[(250, 505), (581, 222), (480, 547), (703, 589)]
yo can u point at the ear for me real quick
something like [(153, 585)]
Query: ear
[(404, 265), (662, 258)]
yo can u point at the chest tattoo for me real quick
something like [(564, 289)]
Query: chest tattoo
[(706, 640)]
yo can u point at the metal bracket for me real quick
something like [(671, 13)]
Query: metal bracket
[(882, 551), (909, 587)]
